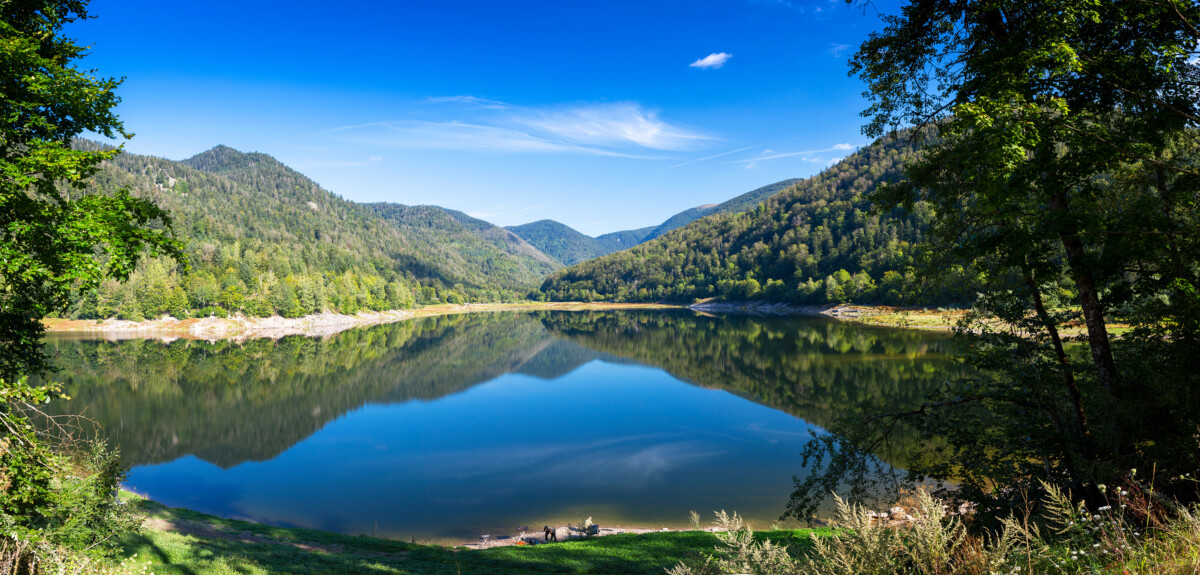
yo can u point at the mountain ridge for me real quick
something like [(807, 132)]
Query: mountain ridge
[(265, 239), (571, 246), (818, 241)]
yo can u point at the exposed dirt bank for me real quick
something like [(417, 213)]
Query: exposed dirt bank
[(316, 325), (235, 327)]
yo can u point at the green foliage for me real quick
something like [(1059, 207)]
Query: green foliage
[(815, 242), (50, 233), (58, 489), (1063, 537), (1061, 161), (56, 500)]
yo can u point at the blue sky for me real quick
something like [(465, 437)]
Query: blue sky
[(602, 115)]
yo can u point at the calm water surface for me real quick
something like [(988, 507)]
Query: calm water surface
[(449, 427)]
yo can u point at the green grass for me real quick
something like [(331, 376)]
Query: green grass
[(196, 544)]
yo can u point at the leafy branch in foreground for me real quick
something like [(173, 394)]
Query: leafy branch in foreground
[(55, 240), (1062, 146)]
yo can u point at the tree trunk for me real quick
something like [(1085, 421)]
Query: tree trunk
[(1068, 377), (1089, 300)]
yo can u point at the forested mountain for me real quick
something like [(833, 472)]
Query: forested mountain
[(264, 239), (738, 204), (815, 242), (617, 241), (560, 241), (570, 247), (460, 249)]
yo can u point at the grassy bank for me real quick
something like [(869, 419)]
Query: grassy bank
[(178, 541), (944, 318)]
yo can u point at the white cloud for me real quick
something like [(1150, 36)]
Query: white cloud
[(466, 136), (837, 50), (467, 100), (713, 156), (620, 130), (712, 61), (614, 124), (808, 155)]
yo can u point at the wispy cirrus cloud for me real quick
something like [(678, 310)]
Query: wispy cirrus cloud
[(712, 61), (467, 123), (806, 155), (714, 156), (838, 50), (614, 125), (468, 100)]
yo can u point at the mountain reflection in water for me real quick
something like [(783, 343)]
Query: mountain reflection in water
[(446, 427)]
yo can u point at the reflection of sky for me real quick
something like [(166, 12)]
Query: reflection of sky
[(625, 444)]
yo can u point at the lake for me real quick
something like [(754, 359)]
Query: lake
[(445, 428)]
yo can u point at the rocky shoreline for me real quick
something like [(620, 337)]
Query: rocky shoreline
[(236, 327), (241, 327)]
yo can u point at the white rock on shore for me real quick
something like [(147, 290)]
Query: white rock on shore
[(317, 325)]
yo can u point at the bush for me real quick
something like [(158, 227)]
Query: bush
[(59, 489), (1136, 533), (212, 310)]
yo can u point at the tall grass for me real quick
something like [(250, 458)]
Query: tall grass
[(1136, 533)]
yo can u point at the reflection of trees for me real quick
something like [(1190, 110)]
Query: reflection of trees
[(228, 403), (815, 369), (231, 402)]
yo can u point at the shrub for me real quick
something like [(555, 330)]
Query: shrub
[(59, 490), (212, 310), (1137, 533)]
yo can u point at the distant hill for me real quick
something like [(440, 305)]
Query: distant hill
[(560, 241), (263, 239), (570, 246), (467, 250), (741, 203), (617, 241), (816, 241)]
